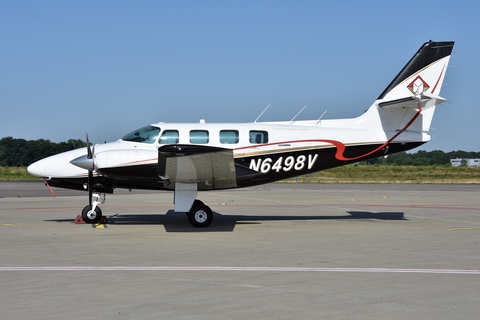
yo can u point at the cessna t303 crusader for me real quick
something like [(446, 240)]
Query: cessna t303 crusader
[(187, 158)]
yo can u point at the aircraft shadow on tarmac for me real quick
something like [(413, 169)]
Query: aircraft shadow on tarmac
[(175, 222)]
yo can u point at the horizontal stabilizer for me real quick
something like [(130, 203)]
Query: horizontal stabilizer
[(423, 101)]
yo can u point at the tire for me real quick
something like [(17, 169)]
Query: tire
[(91, 217), (200, 216), (198, 203)]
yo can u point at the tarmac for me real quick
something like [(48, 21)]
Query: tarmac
[(278, 251)]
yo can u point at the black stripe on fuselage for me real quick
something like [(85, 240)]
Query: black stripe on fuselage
[(251, 170), (279, 166)]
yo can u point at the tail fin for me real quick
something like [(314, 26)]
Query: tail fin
[(415, 90), (424, 72)]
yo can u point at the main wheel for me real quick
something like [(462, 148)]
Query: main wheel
[(200, 216), (91, 216)]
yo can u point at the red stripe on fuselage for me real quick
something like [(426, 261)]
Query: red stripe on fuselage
[(339, 145)]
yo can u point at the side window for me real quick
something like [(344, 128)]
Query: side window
[(199, 136), (146, 134), (169, 137), (258, 136), (228, 136)]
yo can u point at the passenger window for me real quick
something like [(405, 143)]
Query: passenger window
[(199, 136), (258, 136), (229, 136), (169, 137)]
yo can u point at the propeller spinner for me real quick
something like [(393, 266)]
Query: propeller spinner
[(87, 161)]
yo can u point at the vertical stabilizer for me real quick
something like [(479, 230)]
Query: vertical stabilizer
[(408, 102), (423, 74)]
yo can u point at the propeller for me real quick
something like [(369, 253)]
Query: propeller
[(87, 162), (90, 171), (91, 213)]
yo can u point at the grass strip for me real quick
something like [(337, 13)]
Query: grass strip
[(393, 174)]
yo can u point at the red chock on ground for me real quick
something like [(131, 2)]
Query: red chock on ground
[(79, 220)]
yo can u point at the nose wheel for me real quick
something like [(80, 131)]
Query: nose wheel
[(90, 215)]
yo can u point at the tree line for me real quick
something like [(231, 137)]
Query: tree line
[(21, 152)]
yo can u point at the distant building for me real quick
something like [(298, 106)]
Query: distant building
[(465, 162), (473, 162), (456, 162)]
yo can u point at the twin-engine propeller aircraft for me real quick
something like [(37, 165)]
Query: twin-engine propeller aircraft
[(190, 157)]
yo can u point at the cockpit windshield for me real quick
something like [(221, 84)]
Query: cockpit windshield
[(146, 134)]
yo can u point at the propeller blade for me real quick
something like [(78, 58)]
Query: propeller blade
[(90, 164), (89, 150)]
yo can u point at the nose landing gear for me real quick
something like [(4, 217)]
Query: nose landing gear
[(92, 212)]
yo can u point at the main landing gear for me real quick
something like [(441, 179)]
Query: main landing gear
[(200, 215)]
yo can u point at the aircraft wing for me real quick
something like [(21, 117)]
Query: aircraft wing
[(209, 167)]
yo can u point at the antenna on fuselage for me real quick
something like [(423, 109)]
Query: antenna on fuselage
[(291, 121), (320, 119), (261, 114)]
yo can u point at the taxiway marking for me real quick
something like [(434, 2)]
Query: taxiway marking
[(249, 269)]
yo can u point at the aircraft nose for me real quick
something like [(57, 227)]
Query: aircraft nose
[(37, 169), (58, 166)]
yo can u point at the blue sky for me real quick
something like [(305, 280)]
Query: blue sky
[(109, 67)]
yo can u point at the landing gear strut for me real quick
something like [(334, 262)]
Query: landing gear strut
[(200, 215)]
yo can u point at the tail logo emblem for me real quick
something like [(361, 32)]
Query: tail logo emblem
[(418, 85)]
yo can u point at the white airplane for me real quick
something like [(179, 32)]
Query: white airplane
[(186, 158)]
